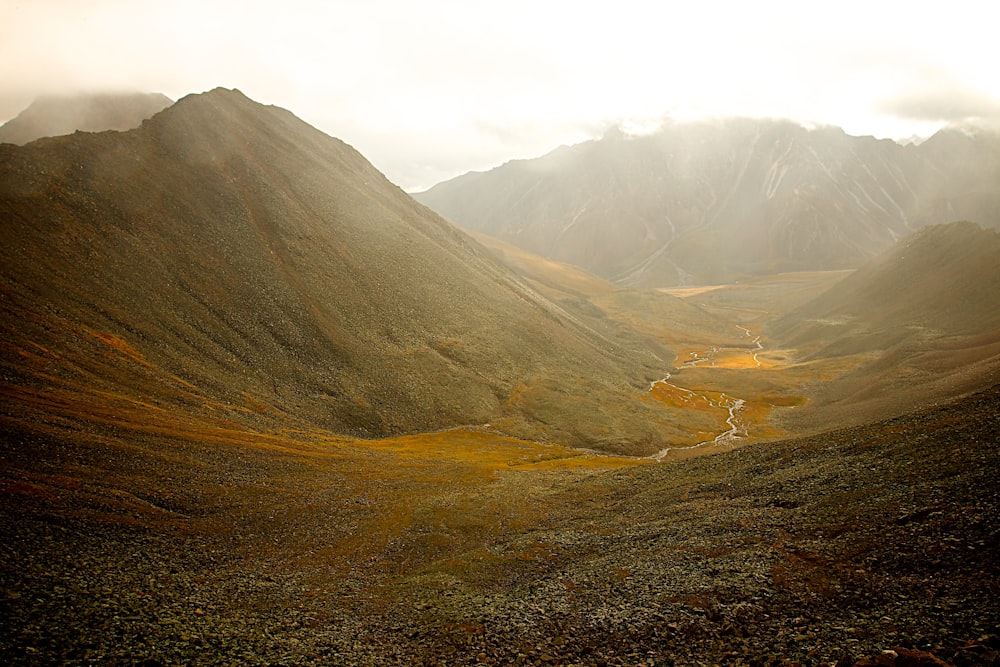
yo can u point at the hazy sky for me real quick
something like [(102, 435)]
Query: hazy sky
[(430, 89)]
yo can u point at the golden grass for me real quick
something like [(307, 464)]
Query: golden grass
[(680, 397), (489, 452), (685, 292), (483, 449), (326, 503)]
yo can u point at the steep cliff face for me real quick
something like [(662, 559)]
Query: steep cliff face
[(711, 202), (228, 254)]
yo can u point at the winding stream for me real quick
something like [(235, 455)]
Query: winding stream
[(737, 428), (756, 341)]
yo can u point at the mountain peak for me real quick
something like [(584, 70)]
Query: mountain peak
[(217, 95), (249, 260)]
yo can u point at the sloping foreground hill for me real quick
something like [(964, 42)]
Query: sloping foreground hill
[(227, 260), (942, 279), (712, 202), (56, 115), (129, 547), (924, 317)]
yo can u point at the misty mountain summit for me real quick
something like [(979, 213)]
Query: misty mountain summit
[(715, 201), (52, 116)]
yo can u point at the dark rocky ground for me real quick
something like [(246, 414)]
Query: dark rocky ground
[(829, 549)]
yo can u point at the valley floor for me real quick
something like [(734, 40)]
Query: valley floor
[(461, 548)]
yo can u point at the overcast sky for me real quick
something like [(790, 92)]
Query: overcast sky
[(430, 89)]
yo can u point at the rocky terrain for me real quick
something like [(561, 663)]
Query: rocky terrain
[(828, 549)]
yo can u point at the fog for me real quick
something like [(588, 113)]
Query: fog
[(429, 90)]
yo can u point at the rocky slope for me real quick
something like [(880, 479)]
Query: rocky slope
[(144, 549), (57, 115), (711, 202), (226, 258)]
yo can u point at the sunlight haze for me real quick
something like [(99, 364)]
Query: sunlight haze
[(430, 90)]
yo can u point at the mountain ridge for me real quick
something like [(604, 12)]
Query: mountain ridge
[(238, 250), (713, 202)]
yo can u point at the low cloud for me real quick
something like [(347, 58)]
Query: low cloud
[(428, 90), (945, 105)]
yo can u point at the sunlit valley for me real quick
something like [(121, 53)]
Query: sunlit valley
[(727, 393)]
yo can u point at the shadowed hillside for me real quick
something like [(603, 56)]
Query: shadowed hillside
[(228, 259), (923, 318), (53, 116), (712, 202)]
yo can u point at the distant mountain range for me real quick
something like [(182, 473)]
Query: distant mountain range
[(52, 116), (228, 257), (712, 202)]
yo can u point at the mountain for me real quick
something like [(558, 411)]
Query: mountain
[(226, 259), (924, 318), (57, 115), (712, 202), (200, 318), (940, 280)]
